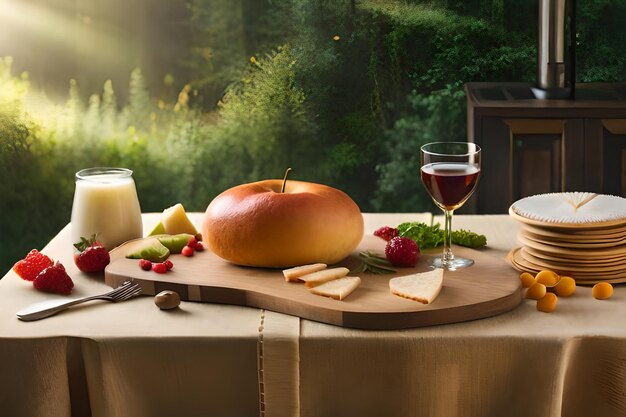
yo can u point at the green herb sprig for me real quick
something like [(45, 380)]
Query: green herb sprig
[(467, 238), (374, 263), (428, 237)]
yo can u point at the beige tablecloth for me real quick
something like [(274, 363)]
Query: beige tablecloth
[(131, 359)]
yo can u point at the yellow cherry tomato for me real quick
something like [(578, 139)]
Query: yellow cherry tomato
[(536, 291), (565, 287), (547, 303), (527, 279), (547, 278), (602, 290)]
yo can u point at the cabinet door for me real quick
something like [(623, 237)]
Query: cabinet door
[(536, 164), (548, 156), (614, 156), (524, 157)]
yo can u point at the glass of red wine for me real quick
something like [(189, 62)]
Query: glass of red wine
[(450, 172)]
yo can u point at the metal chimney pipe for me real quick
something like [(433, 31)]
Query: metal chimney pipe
[(551, 48), (555, 70)]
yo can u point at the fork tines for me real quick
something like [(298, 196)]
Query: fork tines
[(125, 291)]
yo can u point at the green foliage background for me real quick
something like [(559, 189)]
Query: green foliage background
[(342, 91)]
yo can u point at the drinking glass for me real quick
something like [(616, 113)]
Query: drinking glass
[(106, 204), (450, 172)]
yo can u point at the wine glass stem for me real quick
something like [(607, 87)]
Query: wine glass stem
[(447, 256)]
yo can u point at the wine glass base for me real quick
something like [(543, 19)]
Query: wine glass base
[(453, 265)]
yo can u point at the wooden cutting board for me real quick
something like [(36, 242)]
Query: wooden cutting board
[(488, 288)]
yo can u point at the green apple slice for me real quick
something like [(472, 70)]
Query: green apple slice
[(175, 243), (152, 250), (159, 229)]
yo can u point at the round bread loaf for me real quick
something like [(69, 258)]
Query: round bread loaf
[(258, 225)]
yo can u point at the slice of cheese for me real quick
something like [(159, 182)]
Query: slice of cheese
[(292, 274), (320, 277), (423, 287), (175, 221), (338, 289)]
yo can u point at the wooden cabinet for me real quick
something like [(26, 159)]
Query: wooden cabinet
[(540, 146)]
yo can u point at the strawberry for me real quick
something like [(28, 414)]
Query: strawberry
[(54, 279), (145, 264), (199, 247), (29, 267), (159, 268), (192, 242), (386, 233), (169, 264), (402, 251), (93, 256)]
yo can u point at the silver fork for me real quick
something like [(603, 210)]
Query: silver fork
[(50, 307)]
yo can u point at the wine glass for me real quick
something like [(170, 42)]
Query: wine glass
[(450, 171)]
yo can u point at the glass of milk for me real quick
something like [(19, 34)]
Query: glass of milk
[(106, 203)]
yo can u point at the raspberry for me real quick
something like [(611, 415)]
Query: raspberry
[(402, 251), (187, 251), (199, 246), (168, 264), (145, 264), (54, 279), (387, 233), (29, 267), (192, 242), (159, 268)]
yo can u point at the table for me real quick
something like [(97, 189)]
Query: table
[(131, 359)]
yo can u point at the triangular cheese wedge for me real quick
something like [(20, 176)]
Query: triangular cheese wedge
[(337, 289), (175, 221), (292, 274), (320, 277), (423, 287)]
